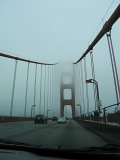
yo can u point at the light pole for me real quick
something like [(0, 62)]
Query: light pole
[(47, 112), (98, 98), (80, 108), (32, 109)]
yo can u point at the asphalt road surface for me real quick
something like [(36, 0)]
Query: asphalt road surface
[(52, 135)]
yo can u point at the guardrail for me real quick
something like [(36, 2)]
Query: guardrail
[(103, 115), (14, 119)]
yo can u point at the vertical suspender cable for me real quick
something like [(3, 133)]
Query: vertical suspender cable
[(78, 87), (44, 89), (117, 79), (93, 76), (48, 89), (87, 97), (40, 100), (13, 89), (26, 90), (75, 80), (83, 83), (82, 88), (54, 96), (52, 90), (35, 87), (55, 89), (77, 84), (114, 67)]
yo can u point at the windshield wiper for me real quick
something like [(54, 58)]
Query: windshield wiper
[(14, 145), (9, 142), (106, 148), (111, 148)]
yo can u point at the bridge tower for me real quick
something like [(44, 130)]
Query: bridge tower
[(67, 85)]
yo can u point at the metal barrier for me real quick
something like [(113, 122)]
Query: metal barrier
[(14, 119), (103, 116)]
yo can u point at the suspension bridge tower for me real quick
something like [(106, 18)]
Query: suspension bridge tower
[(67, 83)]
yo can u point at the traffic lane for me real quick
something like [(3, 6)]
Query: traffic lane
[(9, 129), (45, 135), (76, 136), (64, 136)]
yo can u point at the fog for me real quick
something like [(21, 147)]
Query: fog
[(55, 32)]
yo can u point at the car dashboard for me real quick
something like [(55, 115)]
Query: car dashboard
[(25, 155)]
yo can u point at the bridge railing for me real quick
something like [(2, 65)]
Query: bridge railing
[(105, 115), (14, 119)]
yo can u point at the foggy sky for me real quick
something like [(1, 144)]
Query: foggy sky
[(53, 31)]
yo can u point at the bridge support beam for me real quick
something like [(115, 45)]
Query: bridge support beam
[(69, 86)]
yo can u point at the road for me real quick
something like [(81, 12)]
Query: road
[(52, 135)]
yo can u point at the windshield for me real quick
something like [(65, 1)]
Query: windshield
[(59, 73)]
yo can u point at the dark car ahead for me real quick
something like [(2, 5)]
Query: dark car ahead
[(54, 118), (42, 119)]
